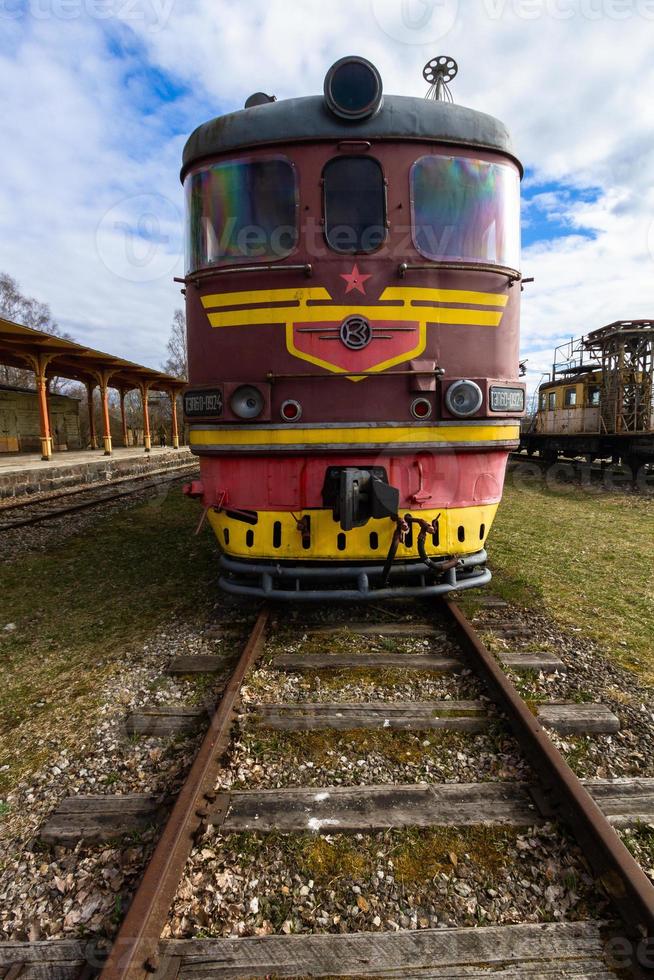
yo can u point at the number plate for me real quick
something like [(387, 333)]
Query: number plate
[(206, 403), (507, 399)]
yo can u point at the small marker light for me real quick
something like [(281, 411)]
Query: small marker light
[(290, 410), (421, 408)]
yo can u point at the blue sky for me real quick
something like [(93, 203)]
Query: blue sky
[(548, 210), (99, 97)]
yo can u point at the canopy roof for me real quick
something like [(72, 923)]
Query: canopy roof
[(19, 344)]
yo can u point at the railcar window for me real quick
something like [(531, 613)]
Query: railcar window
[(355, 204), (594, 396), (466, 210), (543, 402), (241, 211), (551, 401), (570, 397)]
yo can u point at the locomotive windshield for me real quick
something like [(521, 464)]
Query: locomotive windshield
[(355, 204), (466, 210), (241, 211)]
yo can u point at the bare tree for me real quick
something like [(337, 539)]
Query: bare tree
[(30, 313), (177, 361)]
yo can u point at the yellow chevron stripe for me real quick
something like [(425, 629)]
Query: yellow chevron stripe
[(415, 351), (403, 311), (391, 293), (443, 296), (313, 314), (263, 296)]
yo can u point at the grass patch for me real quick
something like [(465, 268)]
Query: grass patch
[(79, 606), (586, 560), (416, 856), (321, 747), (640, 841), (340, 857), (422, 854), (578, 752)]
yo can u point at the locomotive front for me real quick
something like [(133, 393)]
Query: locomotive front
[(352, 295)]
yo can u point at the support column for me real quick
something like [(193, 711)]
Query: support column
[(44, 416), (147, 442), (93, 439), (106, 424), (123, 419), (173, 419)]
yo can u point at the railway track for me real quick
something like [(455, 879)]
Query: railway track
[(47, 508), (553, 792), (569, 469)]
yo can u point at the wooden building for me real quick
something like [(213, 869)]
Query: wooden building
[(20, 426)]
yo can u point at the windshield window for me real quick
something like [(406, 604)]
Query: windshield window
[(241, 211), (355, 204), (466, 210)]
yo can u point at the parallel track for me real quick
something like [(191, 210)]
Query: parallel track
[(94, 495), (578, 465), (135, 953)]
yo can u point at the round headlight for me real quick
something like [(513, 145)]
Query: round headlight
[(353, 88), (463, 398), (246, 402)]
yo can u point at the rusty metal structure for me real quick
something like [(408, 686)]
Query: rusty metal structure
[(625, 351), (599, 400)]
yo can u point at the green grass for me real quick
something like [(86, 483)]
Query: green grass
[(586, 559), (79, 606)]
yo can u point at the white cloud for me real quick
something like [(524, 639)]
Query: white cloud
[(571, 78)]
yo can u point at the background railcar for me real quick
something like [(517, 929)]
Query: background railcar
[(352, 295), (599, 400)]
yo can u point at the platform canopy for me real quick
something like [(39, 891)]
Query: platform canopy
[(49, 356), (66, 359)]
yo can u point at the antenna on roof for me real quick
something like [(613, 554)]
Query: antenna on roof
[(439, 72)]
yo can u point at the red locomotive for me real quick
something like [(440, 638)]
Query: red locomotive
[(352, 295)]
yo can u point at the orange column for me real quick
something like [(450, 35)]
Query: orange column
[(147, 442), (173, 416), (106, 425), (44, 417), (93, 439), (122, 416)]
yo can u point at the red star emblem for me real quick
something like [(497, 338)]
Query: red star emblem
[(355, 280)]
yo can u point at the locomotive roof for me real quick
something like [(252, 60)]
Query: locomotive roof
[(401, 117)]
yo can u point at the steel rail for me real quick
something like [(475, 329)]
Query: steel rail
[(623, 879), (134, 953), (87, 504)]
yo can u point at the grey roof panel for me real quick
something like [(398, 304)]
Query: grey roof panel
[(400, 118)]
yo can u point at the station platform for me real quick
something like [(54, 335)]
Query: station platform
[(28, 473)]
